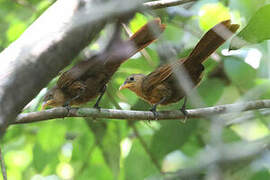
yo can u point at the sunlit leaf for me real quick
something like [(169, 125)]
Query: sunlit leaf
[(212, 14), (15, 31), (256, 31), (138, 21)]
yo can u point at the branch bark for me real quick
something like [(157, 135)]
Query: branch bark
[(165, 3), (3, 166), (61, 112)]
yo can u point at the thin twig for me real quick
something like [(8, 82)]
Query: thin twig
[(3, 167), (61, 112), (165, 3)]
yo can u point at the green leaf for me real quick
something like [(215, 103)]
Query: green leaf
[(239, 72), (15, 31), (247, 7), (97, 169), (138, 22), (193, 145), (51, 136), (230, 136), (83, 145), (256, 31), (40, 158), (211, 14), (172, 33), (171, 136), (261, 175), (138, 164), (217, 87), (108, 139)]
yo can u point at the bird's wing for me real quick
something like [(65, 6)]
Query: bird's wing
[(159, 75), (76, 72), (118, 52)]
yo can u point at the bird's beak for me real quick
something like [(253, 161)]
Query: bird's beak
[(47, 103), (44, 105), (125, 85)]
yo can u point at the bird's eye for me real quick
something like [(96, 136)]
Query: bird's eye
[(131, 78)]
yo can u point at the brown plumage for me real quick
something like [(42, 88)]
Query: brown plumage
[(161, 86), (88, 79)]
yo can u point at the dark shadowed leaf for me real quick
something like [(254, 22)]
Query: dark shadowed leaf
[(217, 87), (240, 73), (171, 136), (138, 164)]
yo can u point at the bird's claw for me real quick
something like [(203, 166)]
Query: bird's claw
[(68, 107), (96, 106), (185, 113), (154, 111)]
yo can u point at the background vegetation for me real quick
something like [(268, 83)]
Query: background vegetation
[(82, 148)]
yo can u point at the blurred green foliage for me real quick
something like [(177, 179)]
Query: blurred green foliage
[(82, 149)]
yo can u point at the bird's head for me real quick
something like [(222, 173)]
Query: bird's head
[(53, 98), (133, 82)]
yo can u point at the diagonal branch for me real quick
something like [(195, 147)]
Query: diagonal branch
[(139, 115), (165, 3)]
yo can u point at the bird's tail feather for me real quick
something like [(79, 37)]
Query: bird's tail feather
[(120, 51), (214, 38), (147, 34)]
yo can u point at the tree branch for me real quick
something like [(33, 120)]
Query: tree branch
[(139, 115), (165, 3), (3, 167)]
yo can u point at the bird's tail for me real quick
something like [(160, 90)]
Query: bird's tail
[(121, 50), (147, 34), (214, 38)]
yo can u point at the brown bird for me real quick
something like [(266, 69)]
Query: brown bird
[(88, 79), (162, 87)]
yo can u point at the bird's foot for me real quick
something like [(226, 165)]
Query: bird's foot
[(154, 111), (185, 113), (96, 106), (68, 108)]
